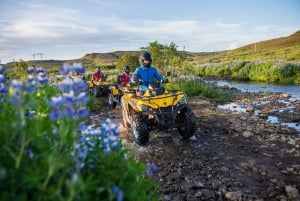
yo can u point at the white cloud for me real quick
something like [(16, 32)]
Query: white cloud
[(62, 32)]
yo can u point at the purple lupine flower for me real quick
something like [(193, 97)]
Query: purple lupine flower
[(78, 68), (69, 98), (109, 140), (65, 69), (31, 78), (54, 114), (66, 85), (30, 87), (83, 152), (119, 193), (82, 126), (30, 69), (2, 79), (15, 99), (56, 101), (151, 169), (40, 70), (42, 74), (82, 98), (16, 84), (42, 79), (79, 85), (69, 112), (83, 112), (3, 89), (2, 69), (109, 128)]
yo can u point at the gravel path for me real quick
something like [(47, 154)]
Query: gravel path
[(233, 156)]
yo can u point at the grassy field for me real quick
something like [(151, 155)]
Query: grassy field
[(285, 49)]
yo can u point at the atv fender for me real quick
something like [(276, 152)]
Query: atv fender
[(132, 103)]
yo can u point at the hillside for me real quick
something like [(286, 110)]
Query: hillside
[(281, 49), (285, 49)]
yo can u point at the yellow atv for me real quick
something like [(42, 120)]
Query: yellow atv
[(98, 88), (156, 109), (115, 94)]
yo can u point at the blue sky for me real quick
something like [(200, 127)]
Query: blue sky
[(69, 29)]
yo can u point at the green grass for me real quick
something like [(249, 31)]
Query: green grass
[(198, 87)]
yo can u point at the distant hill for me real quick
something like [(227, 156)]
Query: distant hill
[(279, 49), (282, 49), (277, 43)]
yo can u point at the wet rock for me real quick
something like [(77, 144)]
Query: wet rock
[(292, 192), (250, 109), (247, 134), (233, 196), (233, 156)]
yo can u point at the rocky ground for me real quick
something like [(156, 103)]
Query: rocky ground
[(233, 155)]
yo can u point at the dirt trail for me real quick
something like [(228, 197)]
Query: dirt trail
[(233, 156)]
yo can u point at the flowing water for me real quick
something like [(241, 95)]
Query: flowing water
[(292, 90)]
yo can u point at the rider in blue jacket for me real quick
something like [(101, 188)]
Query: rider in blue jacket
[(146, 73)]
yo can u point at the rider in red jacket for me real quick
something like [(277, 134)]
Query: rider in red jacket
[(125, 76), (98, 75)]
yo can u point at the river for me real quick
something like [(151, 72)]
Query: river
[(292, 90)]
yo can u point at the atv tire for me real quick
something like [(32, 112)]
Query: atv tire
[(112, 104), (186, 123), (140, 131), (124, 115)]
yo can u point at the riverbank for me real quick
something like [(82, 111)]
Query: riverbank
[(274, 107)]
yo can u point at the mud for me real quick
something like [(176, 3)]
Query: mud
[(233, 155)]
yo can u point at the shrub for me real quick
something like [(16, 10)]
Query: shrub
[(48, 152)]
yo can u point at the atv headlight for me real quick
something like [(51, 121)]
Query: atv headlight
[(182, 101), (144, 108)]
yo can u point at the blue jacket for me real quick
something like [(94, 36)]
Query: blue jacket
[(147, 75)]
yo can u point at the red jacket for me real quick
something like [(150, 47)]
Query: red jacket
[(98, 76), (124, 79)]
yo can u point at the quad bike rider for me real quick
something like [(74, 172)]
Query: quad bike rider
[(117, 91), (146, 109), (98, 86)]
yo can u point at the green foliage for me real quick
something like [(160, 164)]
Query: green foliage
[(41, 159), (290, 70), (167, 58), (128, 59), (19, 70), (285, 73), (94, 104), (199, 87)]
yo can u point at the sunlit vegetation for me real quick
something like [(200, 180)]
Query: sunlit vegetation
[(271, 72), (284, 49), (49, 151), (274, 61), (198, 87)]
